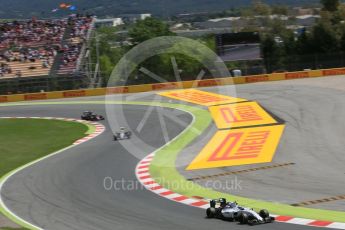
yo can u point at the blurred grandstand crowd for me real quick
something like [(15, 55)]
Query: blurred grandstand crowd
[(31, 48)]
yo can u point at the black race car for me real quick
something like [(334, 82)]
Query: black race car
[(122, 134), (91, 116)]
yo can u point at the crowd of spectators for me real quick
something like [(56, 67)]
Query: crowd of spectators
[(41, 40), (5, 69), (79, 29), (80, 26), (28, 54), (70, 53), (31, 33)]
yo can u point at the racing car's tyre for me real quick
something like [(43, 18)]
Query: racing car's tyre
[(243, 218), (252, 222), (264, 213), (210, 212)]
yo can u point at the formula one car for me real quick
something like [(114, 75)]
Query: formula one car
[(233, 212), (123, 134), (90, 116)]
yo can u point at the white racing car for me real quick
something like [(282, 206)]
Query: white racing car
[(233, 212), (122, 134)]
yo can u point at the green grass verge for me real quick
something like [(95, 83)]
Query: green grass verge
[(91, 129), (163, 166), (13, 228), (25, 140)]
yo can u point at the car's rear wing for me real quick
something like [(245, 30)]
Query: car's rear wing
[(219, 202)]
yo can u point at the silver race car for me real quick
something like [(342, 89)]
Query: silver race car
[(233, 212), (122, 134)]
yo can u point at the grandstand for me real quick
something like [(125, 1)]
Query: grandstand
[(38, 55)]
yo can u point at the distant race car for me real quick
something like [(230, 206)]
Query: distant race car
[(122, 134), (90, 116), (233, 212)]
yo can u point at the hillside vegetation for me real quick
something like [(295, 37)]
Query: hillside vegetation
[(42, 8)]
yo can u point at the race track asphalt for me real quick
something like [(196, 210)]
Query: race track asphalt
[(66, 191)]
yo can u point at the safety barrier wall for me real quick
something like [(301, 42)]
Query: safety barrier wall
[(172, 85)]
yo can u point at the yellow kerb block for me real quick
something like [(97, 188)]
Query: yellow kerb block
[(200, 97), (240, 115)]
